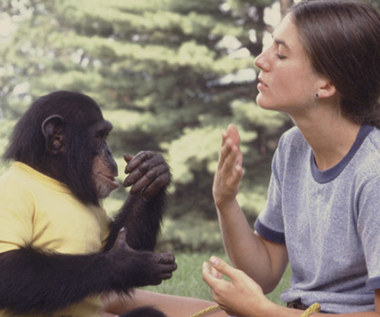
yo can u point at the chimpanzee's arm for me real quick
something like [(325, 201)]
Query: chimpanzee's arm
[(141, 219), (141, 214), (32, 281)]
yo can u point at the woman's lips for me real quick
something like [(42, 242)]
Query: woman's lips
[(261, 85)]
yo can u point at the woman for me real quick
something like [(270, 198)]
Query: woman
[(323, 210)]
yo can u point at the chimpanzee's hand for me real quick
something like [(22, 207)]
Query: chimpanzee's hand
[(130, 268), (148, 173)]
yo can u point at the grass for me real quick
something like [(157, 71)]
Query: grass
[(187, 279)]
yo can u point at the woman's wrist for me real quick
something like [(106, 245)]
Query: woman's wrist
[(264, 308), (226, 206)]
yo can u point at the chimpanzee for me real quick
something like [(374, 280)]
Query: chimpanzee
[(58, 249)]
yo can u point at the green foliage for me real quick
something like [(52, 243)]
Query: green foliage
[(191, 233), (189, 153)]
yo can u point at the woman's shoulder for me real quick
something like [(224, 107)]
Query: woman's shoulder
[(366, 161), (370, 150), (374, 139)]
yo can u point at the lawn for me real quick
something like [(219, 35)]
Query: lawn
[(187, 279)]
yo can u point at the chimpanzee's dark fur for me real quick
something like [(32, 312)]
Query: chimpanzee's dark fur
[(35, 281)]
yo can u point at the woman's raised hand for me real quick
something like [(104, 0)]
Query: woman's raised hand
[(230, 171)]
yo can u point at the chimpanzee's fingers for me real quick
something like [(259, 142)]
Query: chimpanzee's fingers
[(147, 191), (133, 177), (136, 160), (121, 241), (167, 265), (156, 185), (144, 161), (166, 258), (140, 178), (167, 268), (166, 275), (128, 157), (159, 174), (121, 236)]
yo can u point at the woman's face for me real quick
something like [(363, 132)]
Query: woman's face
[(287, 82)]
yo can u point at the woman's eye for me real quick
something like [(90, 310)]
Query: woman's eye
[(279, 56)]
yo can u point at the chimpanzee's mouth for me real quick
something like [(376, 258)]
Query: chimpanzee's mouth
[(110, 179)]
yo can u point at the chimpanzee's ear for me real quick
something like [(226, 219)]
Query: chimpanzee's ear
[(52, 129)]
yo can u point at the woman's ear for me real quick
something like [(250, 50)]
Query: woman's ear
[(326, 89), (52, 129)]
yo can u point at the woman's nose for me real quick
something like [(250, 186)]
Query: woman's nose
[(262, 62)]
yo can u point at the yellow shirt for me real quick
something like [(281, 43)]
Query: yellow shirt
[(39, 211)]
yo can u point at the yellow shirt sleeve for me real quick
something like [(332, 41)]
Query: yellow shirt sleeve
[(16, 215)]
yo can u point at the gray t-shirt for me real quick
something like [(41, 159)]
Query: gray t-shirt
[(329, 221)]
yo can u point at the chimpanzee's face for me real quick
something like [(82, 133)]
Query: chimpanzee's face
[(104, 168)]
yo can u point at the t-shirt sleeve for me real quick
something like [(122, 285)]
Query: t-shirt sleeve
[(270, 224), (368, 225), (16, 217)]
